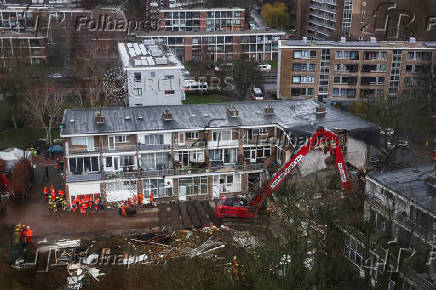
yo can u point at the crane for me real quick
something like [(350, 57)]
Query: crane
[(323, 139)]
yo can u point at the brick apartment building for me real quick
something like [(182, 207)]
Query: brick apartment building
[(400, 207), (214, 19), (215, 46), (352, 69), (193, 151), (363, 19)]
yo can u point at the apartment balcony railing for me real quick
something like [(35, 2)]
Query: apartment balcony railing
[(118, 148), (191, 170), (73, 151), (157, 173), (220, 167), (254, 166), (199, 144), (258, 142), (155, 147), (121, 175), (83, 177)]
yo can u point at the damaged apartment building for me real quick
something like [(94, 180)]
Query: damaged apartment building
[(200, 151), (400, 252)]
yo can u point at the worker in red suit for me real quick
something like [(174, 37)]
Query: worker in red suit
[(141, 198), (135, 200), (28, 234), (45, 193), (123, 209)]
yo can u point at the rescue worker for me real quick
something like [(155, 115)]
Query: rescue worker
[(58, 164), (96, 204), (45, 193), (52, 192), (28, 235), (129, 202), (234, 266), (119, 207), (151, 197), (83, 208), (61, 193), (74, 204), (100, 204), (90, 202), (135, 200), (141, 198), (123, 209)]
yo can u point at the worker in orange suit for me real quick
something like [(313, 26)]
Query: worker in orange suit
[(45, 192), (83, 208), (28, 235), (123, 209), (75, 203), (52, 192), (141, 198), (151, 197), (135, 200)]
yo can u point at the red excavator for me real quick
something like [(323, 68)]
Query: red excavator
[(323, 139)]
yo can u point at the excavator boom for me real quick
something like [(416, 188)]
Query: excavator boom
[(322, 139)]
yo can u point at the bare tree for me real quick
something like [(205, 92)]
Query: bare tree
[(45, 105)]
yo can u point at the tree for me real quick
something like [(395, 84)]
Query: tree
[(45, 105), (276, 15), (243, 74)]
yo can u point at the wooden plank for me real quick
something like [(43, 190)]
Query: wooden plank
[(174, 216), (162, 214), (204, 219), (193, 214), (211, 213), (186, 220)]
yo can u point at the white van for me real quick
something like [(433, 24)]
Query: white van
[(264, 67), (192, 85)]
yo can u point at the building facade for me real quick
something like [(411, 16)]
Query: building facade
[(215, 19), (363, 19), (190, 151), (220, 45), (352, 69), (401, 251), (154, 74)]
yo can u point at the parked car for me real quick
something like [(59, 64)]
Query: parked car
[(264, 67), (192, 85), (256, 94)]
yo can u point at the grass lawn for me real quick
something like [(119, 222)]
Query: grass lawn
[(206, 99), (22, 137)]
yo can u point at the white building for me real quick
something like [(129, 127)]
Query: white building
[(154, 74)]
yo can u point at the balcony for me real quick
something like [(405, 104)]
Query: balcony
[(259, 142), (157, 173), (119, 148), (198, 144), (83, 177), (120, 175), (254, 166), (218, 166), (191, 170), (156, 147), (77, 151)]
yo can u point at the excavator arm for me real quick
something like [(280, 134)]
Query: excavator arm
[(323, 139)]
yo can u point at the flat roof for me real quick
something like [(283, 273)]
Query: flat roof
[(147, 55), (410, 184), (357, 44), (296, 116), (209, 33)]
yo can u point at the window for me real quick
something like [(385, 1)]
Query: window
[(169, 77), (227, 182), (127, 161), (156, 161), (83, 165), (224, 135), (346, 54), (122, 139), (169, 92), (153, 139), (137, 76), (303, 79), (354, 251), (193, 185), (137, 92), (302, 91), (303, 67), (191, 135), (227, 155), (304, 54), (157, 187)]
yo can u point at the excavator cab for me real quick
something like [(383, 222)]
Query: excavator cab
[(237, 206)]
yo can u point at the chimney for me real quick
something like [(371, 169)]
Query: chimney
[(412, 40), (167, 115), (269, 110), (305, 39), (373, 40), (232, 111), (99, 117), (343, 39)]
